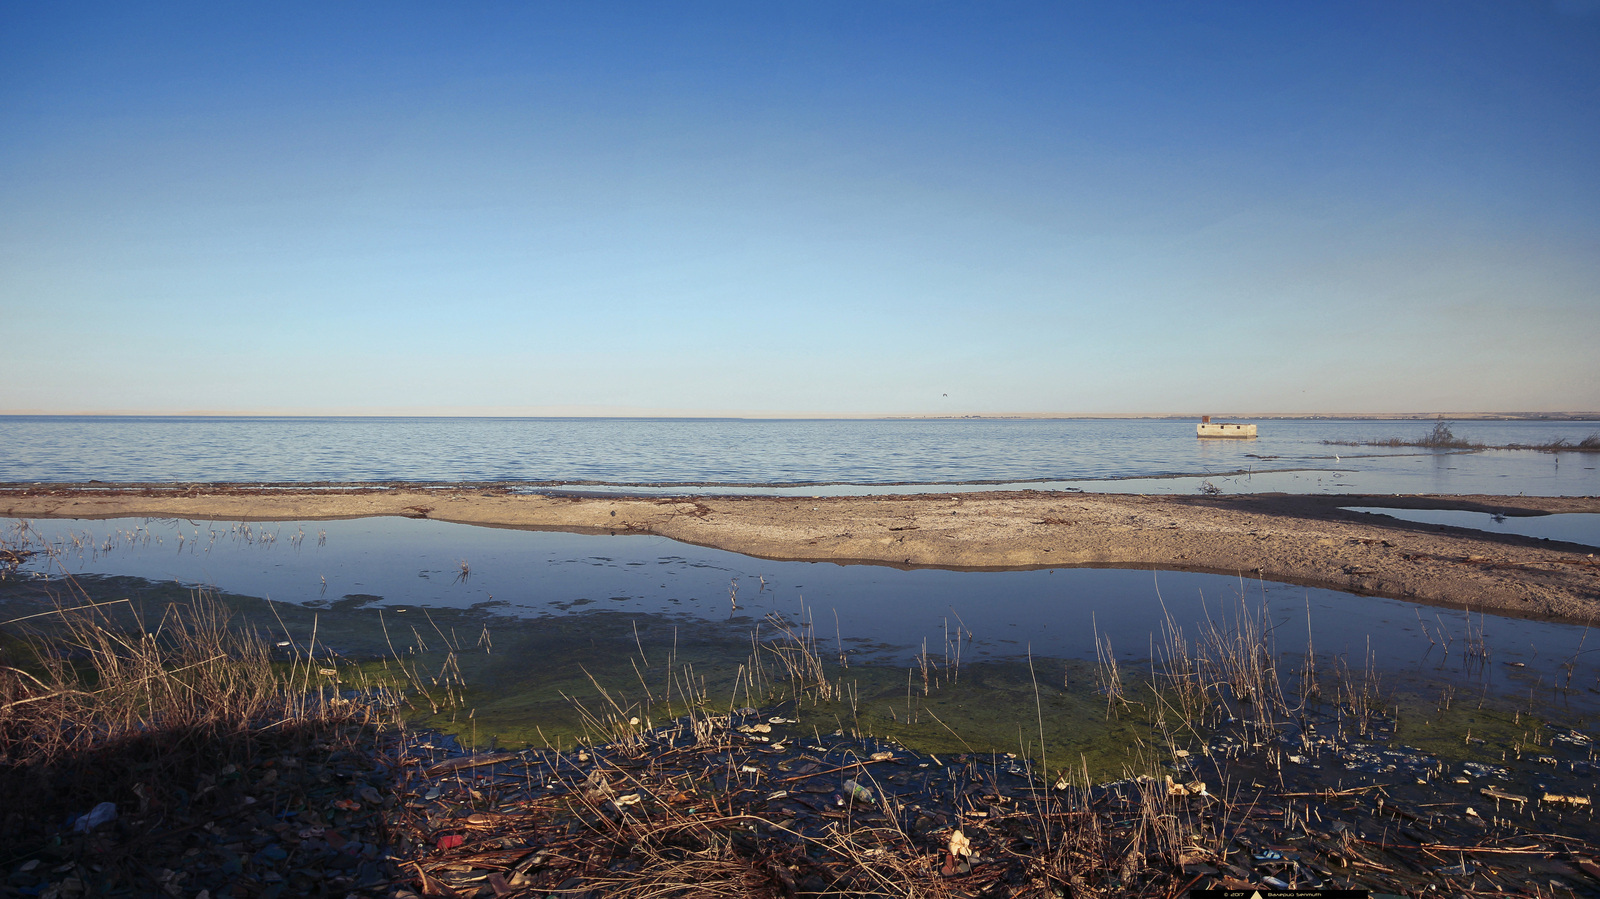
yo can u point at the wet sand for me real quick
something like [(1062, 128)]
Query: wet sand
[(1297, 539)]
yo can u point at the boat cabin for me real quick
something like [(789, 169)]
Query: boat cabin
[(1208, 428)]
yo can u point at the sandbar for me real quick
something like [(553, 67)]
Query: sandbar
[(1307, 540)]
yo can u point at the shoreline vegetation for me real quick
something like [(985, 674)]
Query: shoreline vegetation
[(124, 738), (177, 751), (1442, 437), (181, 751)]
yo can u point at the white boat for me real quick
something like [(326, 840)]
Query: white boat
[(1208, 428)]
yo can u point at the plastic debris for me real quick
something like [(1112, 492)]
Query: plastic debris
[(104, 813), (857, 791)]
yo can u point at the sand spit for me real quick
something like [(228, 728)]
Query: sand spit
[(1298, 539)]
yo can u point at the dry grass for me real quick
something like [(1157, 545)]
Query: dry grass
[(101, 702), (682, 820), (1442, 437), (99, 673), (799, 660), (1230, 670), (677, 841), (108, 698), (1589, 444)]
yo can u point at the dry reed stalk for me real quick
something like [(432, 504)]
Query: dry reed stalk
[(1106, 675), (800, 660)]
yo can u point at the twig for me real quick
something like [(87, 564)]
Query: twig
[(829, 771)]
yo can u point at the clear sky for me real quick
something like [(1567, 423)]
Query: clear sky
[(752, 207)]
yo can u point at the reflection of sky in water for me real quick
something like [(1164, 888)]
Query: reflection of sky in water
[(1573, 527), (736, 455), (1232, 468), (878, 609), (1496, 472)]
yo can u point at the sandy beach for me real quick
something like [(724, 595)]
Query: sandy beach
[(1297, 539)]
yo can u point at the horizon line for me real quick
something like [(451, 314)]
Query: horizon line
[(634, 412)]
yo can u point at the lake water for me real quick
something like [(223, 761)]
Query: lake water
[(874, 614), (788, 456), (570, 602), (1571, 527)]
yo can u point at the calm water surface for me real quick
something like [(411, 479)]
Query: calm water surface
[(808, 457), (874, 613), (1572, 527)]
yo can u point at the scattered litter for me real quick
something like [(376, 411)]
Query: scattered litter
[(104, 813)]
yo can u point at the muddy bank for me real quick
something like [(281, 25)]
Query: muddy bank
[(1297, 539)]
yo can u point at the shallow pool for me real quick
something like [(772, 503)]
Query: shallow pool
[(1572, 527)]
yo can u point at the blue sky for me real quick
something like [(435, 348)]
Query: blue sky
[(897, 207)]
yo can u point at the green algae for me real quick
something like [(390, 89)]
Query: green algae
[(1048, 712), (1485, 728), (559, 681), (575, 680)]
